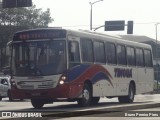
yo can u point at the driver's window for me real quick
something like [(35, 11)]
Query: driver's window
[(4, 82), (43, 51)]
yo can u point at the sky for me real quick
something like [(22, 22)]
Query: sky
[(75, 14)]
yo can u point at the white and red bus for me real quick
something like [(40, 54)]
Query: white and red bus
[(49, 65)]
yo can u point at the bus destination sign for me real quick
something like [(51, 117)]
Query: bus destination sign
[(41, 34)]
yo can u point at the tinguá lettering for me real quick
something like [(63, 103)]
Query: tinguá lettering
[(122, 72)]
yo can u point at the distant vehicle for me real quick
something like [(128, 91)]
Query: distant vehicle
[(5, 87), (49, 65)]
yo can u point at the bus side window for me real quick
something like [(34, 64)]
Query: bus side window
[(148, 58), (131, 56), (139, 57), (121, 55), (74, 55), (99, 53), (110, 53), (87, 50)]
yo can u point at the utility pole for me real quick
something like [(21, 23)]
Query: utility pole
[(92, 3)]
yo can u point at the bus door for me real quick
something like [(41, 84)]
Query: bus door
[(73, 63)]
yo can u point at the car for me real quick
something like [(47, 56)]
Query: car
[(5, 87)]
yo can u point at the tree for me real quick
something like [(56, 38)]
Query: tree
[(27, 17), (15, 19)]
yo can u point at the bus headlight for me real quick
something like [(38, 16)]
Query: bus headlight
[(62, 79), (61, 82)]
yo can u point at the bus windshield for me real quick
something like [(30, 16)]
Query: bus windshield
[(39, 58)]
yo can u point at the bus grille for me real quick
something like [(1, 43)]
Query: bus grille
[(39, 86), (27, 86)]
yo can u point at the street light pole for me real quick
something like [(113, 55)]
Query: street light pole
[(157, 55), (92, 3)]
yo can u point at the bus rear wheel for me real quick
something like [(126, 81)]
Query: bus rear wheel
[(130, 97), (86, 96), (37, 103)]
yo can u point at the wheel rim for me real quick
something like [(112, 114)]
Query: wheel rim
[(86, 95)]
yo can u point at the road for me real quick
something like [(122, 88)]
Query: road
[(106, 108), (150, 112)]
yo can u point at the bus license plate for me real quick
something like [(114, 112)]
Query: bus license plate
[(35, 94)]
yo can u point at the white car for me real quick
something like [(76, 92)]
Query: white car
[(5, 87)]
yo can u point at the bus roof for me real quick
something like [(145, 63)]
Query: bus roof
[(103, 36), (92, 35)]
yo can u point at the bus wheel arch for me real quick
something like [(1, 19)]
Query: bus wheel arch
[(131, 94), (86, 94), (134, 85)]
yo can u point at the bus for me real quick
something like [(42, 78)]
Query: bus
[(51, 65)]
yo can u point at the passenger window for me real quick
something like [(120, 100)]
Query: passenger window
[(139, 57), (131, 56), (121, 55), (148, 58), (99, 54), (110, 53), (87, 50)]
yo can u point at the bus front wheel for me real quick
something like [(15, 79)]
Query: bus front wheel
[(86, 96), (130, 97), (95, 100), (37, 103)]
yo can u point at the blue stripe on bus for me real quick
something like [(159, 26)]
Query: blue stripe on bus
[(81, 71), (99, 76), (77, 71)]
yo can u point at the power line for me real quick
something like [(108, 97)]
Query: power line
[(142, 23)]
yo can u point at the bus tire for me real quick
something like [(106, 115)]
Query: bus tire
[(130, 97), (0, 98), (86, 96), (37, 103), (95, 100)]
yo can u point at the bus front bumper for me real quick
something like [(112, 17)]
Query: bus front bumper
[(61, 91)]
